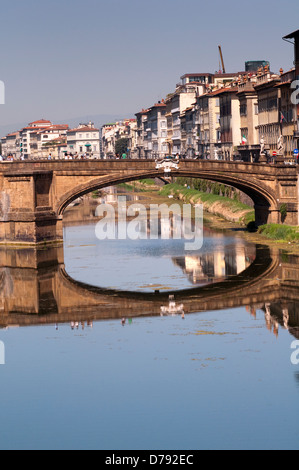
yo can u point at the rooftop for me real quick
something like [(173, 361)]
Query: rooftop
[(41, 121), (84, 129)]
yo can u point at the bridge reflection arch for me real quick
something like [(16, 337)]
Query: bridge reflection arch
[(37, 290)]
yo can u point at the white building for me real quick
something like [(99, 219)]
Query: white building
[(11, 145), (84, 140), (28, 137)]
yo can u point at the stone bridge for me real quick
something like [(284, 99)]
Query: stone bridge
[(34, 195), (36, 290)]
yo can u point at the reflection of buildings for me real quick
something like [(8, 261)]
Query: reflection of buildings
[(218, 265), (283, 315)]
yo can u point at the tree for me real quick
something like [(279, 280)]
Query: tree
[(121, 146)]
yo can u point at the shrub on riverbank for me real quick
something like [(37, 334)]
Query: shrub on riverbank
[(280, 232), (230, 209)]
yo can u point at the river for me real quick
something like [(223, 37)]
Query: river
[(134, 345)]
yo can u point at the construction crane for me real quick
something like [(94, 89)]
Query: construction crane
[(222, 61)]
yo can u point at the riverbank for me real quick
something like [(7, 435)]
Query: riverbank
[(220, 213), (280, 232), (230, 209), (219, 210)]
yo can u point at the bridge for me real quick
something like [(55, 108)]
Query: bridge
[(34, 194), (36, 290)]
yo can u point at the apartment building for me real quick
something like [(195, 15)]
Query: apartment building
[(156, 131), (249, 149), (230, 125), (208, 131), (31, 141), (287, 113), (28, 143), (112, 132), (40, 141), (177, 103), (11, 145), (268, 94), (84, 140), (189, 134), (108, 140), (141, 124), (294, 37)]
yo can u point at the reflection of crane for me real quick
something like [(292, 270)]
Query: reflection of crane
[(222, 61)]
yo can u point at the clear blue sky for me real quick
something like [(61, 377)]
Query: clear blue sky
[(68, 58)]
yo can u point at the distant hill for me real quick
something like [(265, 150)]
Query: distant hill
[(99, 120)]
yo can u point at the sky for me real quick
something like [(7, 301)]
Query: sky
[(61, 60)]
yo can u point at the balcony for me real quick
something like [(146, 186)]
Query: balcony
[(177, 136)]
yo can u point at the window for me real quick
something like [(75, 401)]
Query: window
[(243, 109)]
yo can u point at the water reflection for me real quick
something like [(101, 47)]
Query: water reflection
[(173, 309), (218, 265), (36, 290)]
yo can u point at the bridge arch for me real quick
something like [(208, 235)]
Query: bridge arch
[(263, 197), (35, 194)]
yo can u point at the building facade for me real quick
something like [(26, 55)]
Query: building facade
[(249, 149), (84, 140)]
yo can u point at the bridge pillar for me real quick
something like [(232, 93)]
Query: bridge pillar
[(27, 278), (26, 215)]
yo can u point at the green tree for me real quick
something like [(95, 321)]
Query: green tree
[(121, 146)]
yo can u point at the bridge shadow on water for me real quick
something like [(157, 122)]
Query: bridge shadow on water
[(36, 290)]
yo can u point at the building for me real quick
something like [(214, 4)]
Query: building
[(84, 140), (176, 104), (11, 146), (40, 142), (156, 131), (249, 149), (28, 144), (295, 97), (112, 132), (108, 140), (188, 133), (230, 125), (209, 131), (141, 134), (268, 95), (287, 113)]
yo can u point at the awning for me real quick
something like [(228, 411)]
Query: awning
[(87, 145)]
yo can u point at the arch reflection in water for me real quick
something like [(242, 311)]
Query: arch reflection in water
[(36, 290)]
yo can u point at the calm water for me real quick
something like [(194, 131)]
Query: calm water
[(214, 379)]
